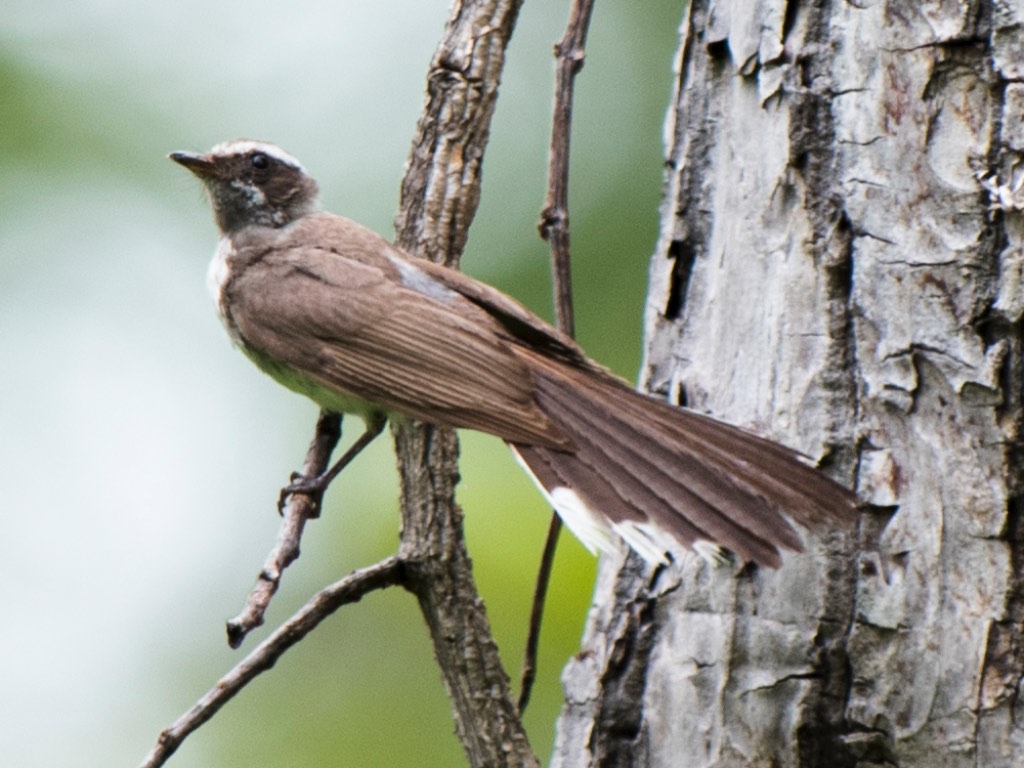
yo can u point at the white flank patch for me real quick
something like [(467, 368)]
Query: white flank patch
[(241, 146)]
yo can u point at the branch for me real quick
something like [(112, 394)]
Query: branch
[(440, 193), (350, 589), (554, 225), (297, 510), (554, 228)]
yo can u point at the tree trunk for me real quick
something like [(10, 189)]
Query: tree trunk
[(839, 268)]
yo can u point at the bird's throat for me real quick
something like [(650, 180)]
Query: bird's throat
[(219, 272)]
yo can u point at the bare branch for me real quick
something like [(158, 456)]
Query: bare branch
[(440, 193), (554, 228), (350, 589), (297, 510), (554, 225)]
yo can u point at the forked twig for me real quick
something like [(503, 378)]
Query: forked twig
[(350, 589), (554, 228)]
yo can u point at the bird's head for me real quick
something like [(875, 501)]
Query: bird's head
[(252, 183)]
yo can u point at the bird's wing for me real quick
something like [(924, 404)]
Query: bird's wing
[(516, 322), (519, 322), (361, 324)]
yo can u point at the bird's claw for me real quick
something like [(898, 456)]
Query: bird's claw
[(313, 487)]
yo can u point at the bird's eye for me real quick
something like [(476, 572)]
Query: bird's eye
[(260, 161)]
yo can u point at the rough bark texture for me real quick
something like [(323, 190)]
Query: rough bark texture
[(440, 193), (830, 273)]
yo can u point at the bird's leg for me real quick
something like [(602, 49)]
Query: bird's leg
[(314, 487)]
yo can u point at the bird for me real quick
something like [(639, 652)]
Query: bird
[(336, 312)]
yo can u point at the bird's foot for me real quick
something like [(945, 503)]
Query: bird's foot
[(313, 487)]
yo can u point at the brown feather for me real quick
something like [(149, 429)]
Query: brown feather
[(338, 316), (334, 304), (688, 472), (676, 489)]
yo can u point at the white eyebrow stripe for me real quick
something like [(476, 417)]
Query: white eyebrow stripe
[(242, 146)]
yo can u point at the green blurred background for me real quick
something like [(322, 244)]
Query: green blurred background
[(141, 456)]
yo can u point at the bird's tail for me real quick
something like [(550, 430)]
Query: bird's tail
[(643, 469)]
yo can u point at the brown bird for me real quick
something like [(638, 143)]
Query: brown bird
[(337, 313)]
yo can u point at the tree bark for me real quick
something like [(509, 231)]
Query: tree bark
[(440, 193), (831, 272)]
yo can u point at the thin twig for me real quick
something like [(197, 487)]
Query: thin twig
[(554, 228), (350, 589), (297, 510), (540, 594)]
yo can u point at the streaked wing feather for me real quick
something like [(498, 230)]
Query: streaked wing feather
[(352, 327), (694, 477)]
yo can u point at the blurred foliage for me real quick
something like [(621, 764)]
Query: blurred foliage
[(174, 447)]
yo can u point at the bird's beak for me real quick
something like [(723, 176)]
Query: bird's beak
[(201, 165)]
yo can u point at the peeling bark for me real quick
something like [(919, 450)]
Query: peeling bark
[(840, 268)]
